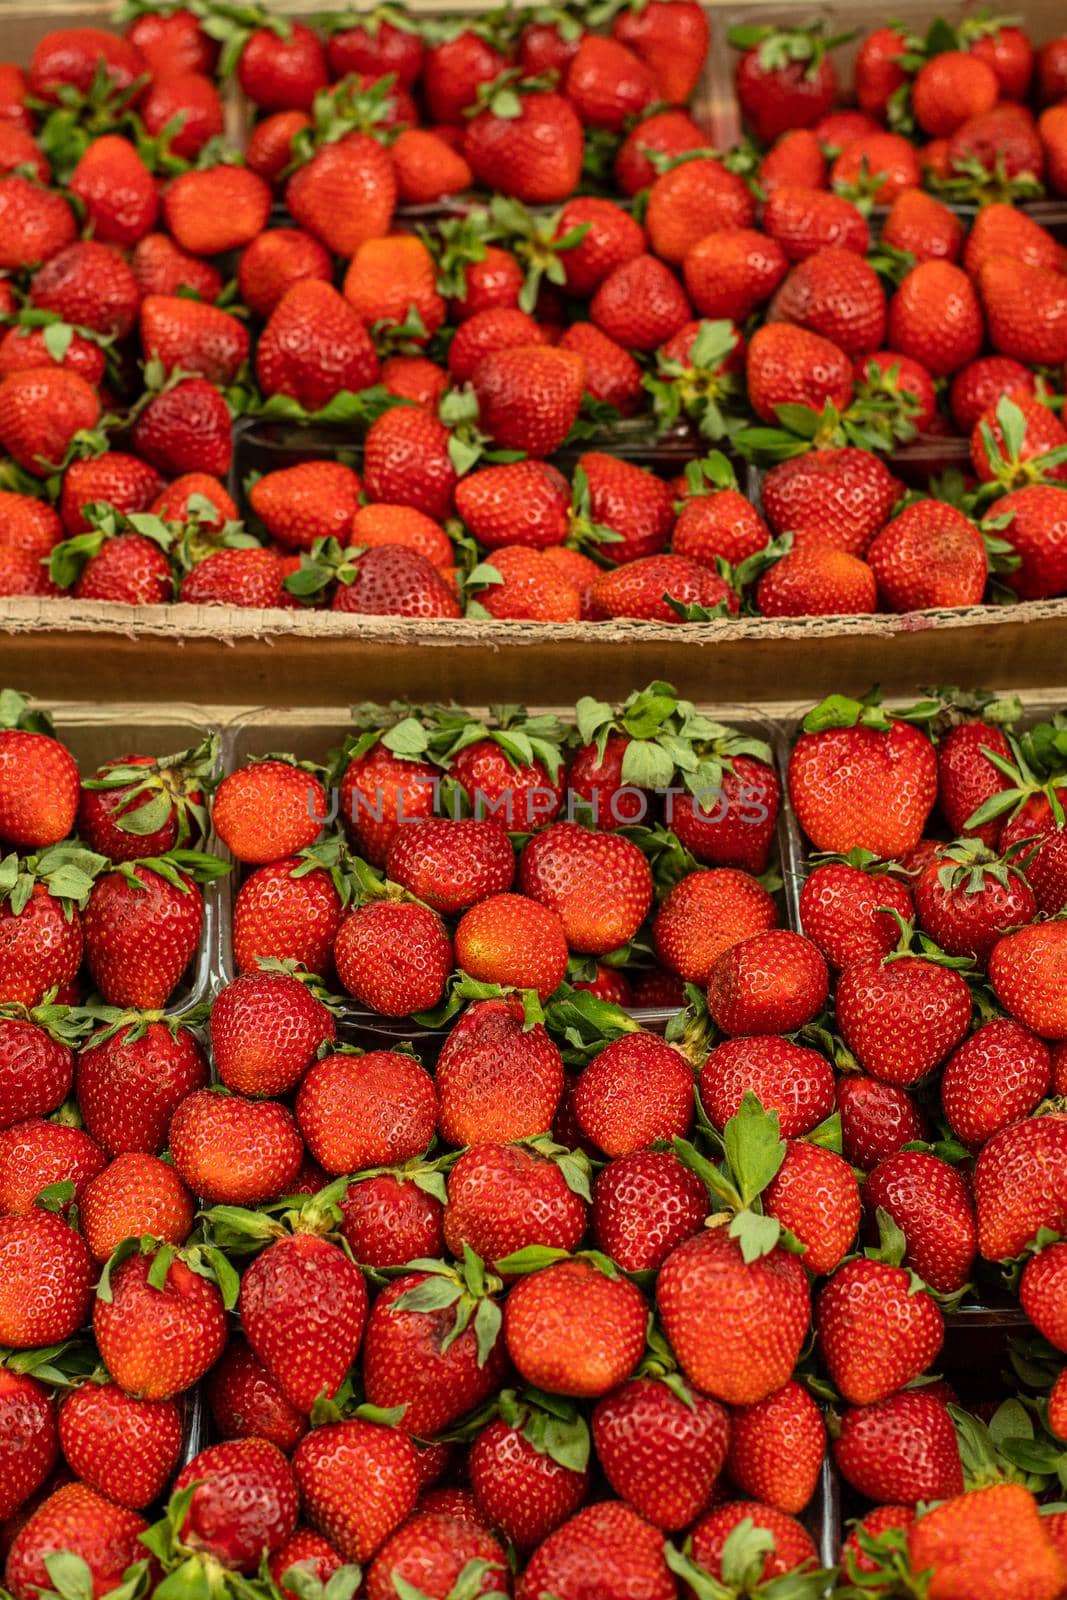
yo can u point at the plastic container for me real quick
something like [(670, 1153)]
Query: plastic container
[(310, 734), (99, 733)]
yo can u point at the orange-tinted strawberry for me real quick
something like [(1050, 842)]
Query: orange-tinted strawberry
[(345, 194), (136, 1195), (777, 1448), (951, 87), (1002, 230), (1052, 129), (817, 580), (366, 1111), (692, 200), (392, 281), (119, 193), (796, 159), (232, 1151), (513, 941), (732, 271), (704, 914), (427, 167), (528, 397), (216, 209), (876, 1334), (672, 39), (1025, 310), (268, 810), (573, 1330), (38, 1153), (415, 378), (879, 165), (977, 387), (497, 1080), (313, 500), (924, 226), (986, 1543), (870, 782), (528, 587)]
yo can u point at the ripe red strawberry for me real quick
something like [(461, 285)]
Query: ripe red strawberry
[(387, 580), (272, 263), (869, 782), (841, 908), (817, 580), (979, 386), (513, 941), (986, 1542), (790, 1079), (427, 167), (360, 1111), (669, 133), (934, 1000), (929, 1202), (643, 1205), (451, 864), (773, 982), (246, 1402), (120, 480), (197, 338), (213, 209), (1013, 1197), (999, 1074), (635, 1092), (902, 1448), (487, 332), (282, 69), (568, 868), (269, 810), (1036, 532), (29, 524), (935, 318), (42, 410), (158, 1324), (784, 79), (303, 1307), (244, 1503), (185, 429), (838, 496), (526, 1480), (503, 1198), (272, 144), (1041, 1293), (640, 304), (36, 1154), (611, 237), (924, 226), (172, 42), (130, 1082), (75, 1519), (761, 1311), (526, 143), (528, 587), (433, 1550), (36, 1067), (609, 1539), (439, 1357), (690, 201), (791, 1546), (661, 1452), (967, 898), (41, 944), (529, 396), (37, 222), (142, 928), (836, 294), (1025, 310), (877, 1119), (90, 285), (45, 1280), (791, 366), (380, 791), (607, 83), (930, 555), (876, 1331), (777, 1448), (719, 523), (1026, 969), (120, 1446), (573, 1330), (161, 268), (345, 194), (232, 1151), (796, 159), (314, 346), (662, 588), (806, 221), (967, 778), (394, 956), (406, 461), (815, 1195), (704, 914), (119, 193), (390, 1219), (358, 1481), (672, 39), (629, 501), (497, 1080), (487, 501), (72, 56), (950, 88), (266, 1030), (30, 1446), (137, 1195)]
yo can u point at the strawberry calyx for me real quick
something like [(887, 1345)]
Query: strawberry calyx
[(534, 239), (964, 705), (710, 475), (346, 107), (16, 712), (499, 28), (455, 244), (169, 785), (70, 556), (704, 386), (347, 408), (584, 533), (75, 117), (969, 865), (65, 1024), (875, 422), (232, 25), (371, 21), (462, 990), (743, 1558), (553, 1425), (202, 1258), (181, 868), (469, 1288), (106, 1022), (780, 48), (874, 866), (429, 1176), (1039, 767), (469, 1585), (888, 1551), (60, 1366), (523, 738), (971, 181), (399, 727), (1010, 469), (67, 870), (659, 1363), (502, 95), (841, 711), (583, 1025)]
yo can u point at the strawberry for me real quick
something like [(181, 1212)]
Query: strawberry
[(640, 304), (997, 1075), (704, 914), (575, 1329), (902, 1448), (268, 810), (872, 992), (406, 461), (980, 385), (784, 79), (172, 41), (415, 378), (719, 523), (309, 1553), (28, 524), (1002, 230), (864, 780), (526, 143), (36, 1154), (732, 271), (609, 1539), (817, 580), (185, 428), (950, 88), (244, 1503), (930, 555), (30, 1446), (199, 339), (504, 1198), (40, 923), (360, 1111), (833, 293), (161, 268), (392, 283), (455, 67), (805, 222), (115, 479), (1012, 1200), (568, 868), (643, 1205), (142, 927), (635, 1092), (668, 133), (434, 1551), (42, 412), (89, 284), (841, 908), (390, 1219), (528, 397), (71, 57), (876, 1331), (77, 1522), (935, 317), (761, 1310), (1052, 130), (524, 585), (796, 160), (388, 580), (790, 1079), (124, 1448), (929, 1202), (835, 496), (790, 1548), (358, 1481), (688, 202), (609, 238), (46, 1275), (427, 168), (1008, 51), (877, 1119), (38, 778), (672, 38), (36, 1064), (527, 1476), (282, 67), (394, 957), (246, 1402), (777, 1448), (309, 501), (629, 502), (968, 897), (497, 1080), (37, 223), (923, 226), (513, 941), (1036, 532), (773, 982), (303, 1308), (789, 365), (987, 1543), (663, 588), (191, 96), (1041, 1293), (967, 777), (119, 193), (274, 142), (1025, 969), (345, 194), (449, 863), (661, 1451), (606, 83), (815, 1195), (314, 346), (503, 775), (158, 1324), (213, 209), (384, 786), (112, 565), (130, 1080), (486, 332), (1025, 310), (232, 1151), (272, 263), (266, 1030), (136, 1195), (433, 1345)]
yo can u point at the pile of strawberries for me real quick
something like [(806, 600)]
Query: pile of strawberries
[(545, 1303), (460, 262)]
